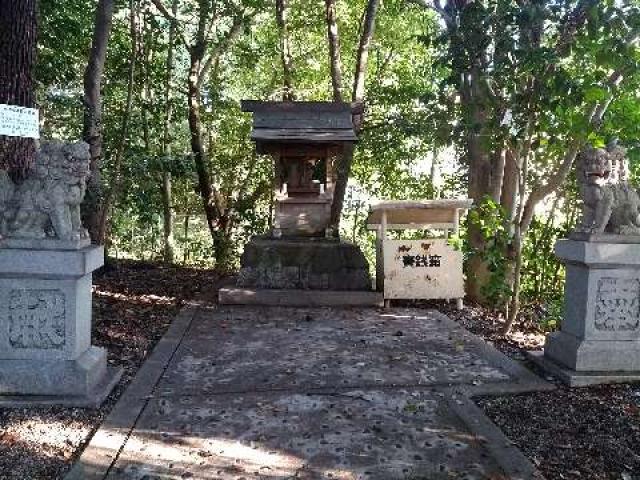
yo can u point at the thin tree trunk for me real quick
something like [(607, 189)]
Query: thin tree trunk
[(434, 171), (167, 199), (92, 128), (509, 195), (497, 174), (345, 160), (335, 61), (285, 50), (197, 146), (116, 177), (18, 37), (185, 255), (515, 251), (362, 63), (547, 234)]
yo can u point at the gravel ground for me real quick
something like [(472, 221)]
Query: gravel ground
[(586, 433), (134, 303)]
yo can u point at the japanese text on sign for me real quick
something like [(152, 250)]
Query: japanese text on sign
[(427, 268), (432, 261), (18, 121)]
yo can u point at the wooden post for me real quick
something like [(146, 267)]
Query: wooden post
[(383, 234), (456, 229), (456, 221)]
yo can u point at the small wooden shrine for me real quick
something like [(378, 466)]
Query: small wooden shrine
[(300, 262), (304, 139)]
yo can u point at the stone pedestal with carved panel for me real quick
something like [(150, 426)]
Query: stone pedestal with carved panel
[(46, 356), (599, 341)]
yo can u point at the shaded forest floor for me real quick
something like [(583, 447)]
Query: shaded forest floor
[(581, 433), (589, 433)]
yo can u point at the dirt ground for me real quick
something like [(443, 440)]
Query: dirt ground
[(585, 433)]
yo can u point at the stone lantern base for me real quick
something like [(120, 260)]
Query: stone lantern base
[(46, 356), (599, 341)]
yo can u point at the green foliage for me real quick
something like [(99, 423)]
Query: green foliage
[(491, 221), (415, 110)]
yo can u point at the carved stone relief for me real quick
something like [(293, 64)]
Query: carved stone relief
[(618, 304), (37, 319)]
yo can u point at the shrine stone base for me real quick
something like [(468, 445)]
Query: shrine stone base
[(599, 341), (302, 271), (305, 264), (46, 356)]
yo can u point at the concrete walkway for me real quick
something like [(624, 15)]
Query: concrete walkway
[(239, 393)]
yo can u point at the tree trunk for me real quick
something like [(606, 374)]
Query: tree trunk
[(18, 37), (433, 173), (197, 146), (515, 258), (478, 158), (359, 84), (285, 50), (115, 180), (510, 183), (359, 81), (335, 61), (92, 128), (222, 244), (167, 200)]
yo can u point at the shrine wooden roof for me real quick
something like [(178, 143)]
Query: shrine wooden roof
[(302, 122)]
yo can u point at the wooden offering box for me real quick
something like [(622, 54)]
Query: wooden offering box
[(418, 269)]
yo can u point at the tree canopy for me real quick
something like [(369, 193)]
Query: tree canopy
[(492, 99)]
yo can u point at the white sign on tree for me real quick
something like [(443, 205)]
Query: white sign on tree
[(18, 121)]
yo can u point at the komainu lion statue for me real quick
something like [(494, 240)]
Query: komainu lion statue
[(611, 204), (47, 203)]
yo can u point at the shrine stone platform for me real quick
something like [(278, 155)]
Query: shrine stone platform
[(268, 393), (303, 263), (303, 271)]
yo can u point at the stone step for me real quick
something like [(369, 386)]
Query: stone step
[(300, 298)]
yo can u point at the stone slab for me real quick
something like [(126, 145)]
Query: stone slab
[(50, 263), (45, 319), (573, 378), (290, 429), (44, 243), (92, 399), (604, 238), (53, 377), (593, 355), (299, 298), (607, 255), (241, 349), (303, 264), (373, 434)]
